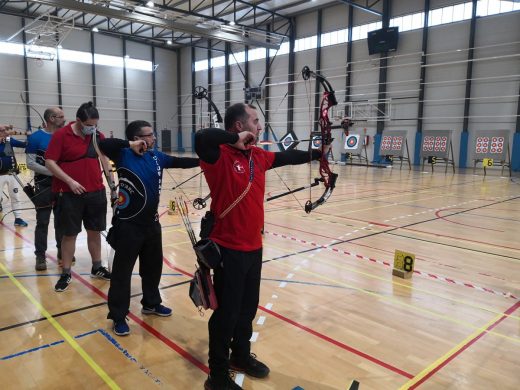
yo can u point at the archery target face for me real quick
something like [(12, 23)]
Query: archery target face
[(386, 143), (484, 145), (316, 142), (352, 142), (497, 144), (437, 144), (428, 143), (397, 143), (289, 141)]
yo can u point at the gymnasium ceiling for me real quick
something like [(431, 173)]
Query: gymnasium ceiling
[(165, 23)]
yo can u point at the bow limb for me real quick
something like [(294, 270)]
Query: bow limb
[(327, 176), (107, 171), (34, 109), (202, 93)]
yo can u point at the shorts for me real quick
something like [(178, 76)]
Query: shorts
[(89, 208)]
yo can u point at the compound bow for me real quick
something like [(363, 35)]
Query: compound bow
[(327, 177), (328, 100)]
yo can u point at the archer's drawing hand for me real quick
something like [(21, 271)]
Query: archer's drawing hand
[(139, 146), (246, 139)]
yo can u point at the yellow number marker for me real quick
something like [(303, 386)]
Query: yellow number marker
[(487, 162), (403, 264)]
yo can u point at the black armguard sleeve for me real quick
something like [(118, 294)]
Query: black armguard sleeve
[(111, 147), (207, 142), (294, 157), (184, 162)]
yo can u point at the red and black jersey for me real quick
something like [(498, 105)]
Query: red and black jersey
[(227, 179)]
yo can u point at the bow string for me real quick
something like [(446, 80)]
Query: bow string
[(327, 177)]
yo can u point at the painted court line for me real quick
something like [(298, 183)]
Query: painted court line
[(68, 338), (388, 264), (443, 361), (339, 344), (105, 335)]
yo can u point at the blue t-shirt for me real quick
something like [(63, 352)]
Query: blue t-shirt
[(140, 182), (37, 144)]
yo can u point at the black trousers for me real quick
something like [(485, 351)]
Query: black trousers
[(44, 200), (132, 240), (237, 286)]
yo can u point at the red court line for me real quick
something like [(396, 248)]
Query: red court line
[(185, 354), (466, 346), (339, 344), (437, 214), (419, 231)]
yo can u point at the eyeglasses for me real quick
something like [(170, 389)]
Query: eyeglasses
[(146, 135), (59, 116)]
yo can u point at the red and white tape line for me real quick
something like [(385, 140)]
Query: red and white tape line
[(388, 264)]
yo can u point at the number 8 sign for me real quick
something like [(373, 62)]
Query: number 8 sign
[(404, 262)]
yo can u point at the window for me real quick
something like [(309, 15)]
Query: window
[(435, 17), (201, 65), (218, 62), (133, 63), (11, 48), (238, 58), (103, 59), (325, 39), (75, 56)]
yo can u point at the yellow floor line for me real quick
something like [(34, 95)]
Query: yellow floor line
[(98, 370), (392, 299), (445, 357)]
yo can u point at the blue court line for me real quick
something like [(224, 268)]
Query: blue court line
[(106, 336), (44, 346), (125, 352)]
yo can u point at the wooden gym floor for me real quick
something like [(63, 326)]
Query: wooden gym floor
[(330, 310)]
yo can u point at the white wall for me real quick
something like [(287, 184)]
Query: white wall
[(77, 85), (493, 102)]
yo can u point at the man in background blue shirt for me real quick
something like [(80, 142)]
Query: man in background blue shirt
[(43, 198)]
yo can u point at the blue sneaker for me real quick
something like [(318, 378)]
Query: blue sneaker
[(158, 310), (20, 222), (121, 328)]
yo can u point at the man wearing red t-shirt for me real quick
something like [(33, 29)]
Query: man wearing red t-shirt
[(77, 180), (235, 172)]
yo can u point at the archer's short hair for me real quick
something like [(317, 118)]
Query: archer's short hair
[(236, 112), (134, 128)]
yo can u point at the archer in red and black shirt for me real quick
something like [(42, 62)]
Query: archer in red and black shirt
[(231, 164)]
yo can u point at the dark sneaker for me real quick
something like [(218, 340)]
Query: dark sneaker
[(41, 264), (250, 366), (63, 283), (100, 273), (226, 384), (20, 222), (158, 310), (121, 328)]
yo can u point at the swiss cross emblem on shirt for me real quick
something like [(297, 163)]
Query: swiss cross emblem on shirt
[(238, 167)]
